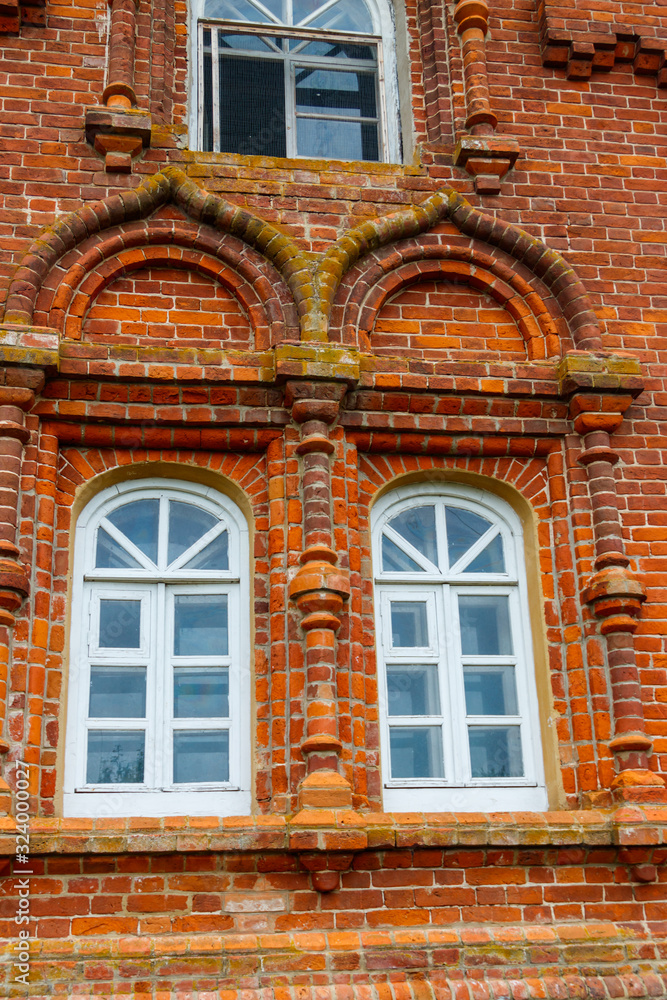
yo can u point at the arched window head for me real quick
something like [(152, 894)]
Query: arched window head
[(158, 717), (458, 695), (296, 78)]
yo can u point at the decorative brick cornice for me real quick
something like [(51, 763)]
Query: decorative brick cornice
[(592, 36)]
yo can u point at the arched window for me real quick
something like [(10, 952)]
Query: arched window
[(158, 717), (460, 727), (296, 78)]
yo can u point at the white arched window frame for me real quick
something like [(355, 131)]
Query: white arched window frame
[(158, 719), (457, 690), (291, 32)]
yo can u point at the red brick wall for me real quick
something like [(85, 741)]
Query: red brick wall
[(433, 320), (167, 308)]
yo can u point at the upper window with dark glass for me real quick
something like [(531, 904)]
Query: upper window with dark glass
[(292, 78)]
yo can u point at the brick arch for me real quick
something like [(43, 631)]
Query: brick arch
[(85, 271), (366, 290)]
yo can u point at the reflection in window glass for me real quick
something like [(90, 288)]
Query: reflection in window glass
[(348, 94), (200, 625), (120, 624), (139, 522), (215, 555), (117, 692), (413, 690), (463, 530), (201, 694), (417, 526), (490, 559), (115, 758), (241, 10), (495, 751), (490, 691), (485, 626), (330, 139), (394, 560), (416, 752), (409, 626), (110, 555), (346, 15), (201, 756), (187, 524)]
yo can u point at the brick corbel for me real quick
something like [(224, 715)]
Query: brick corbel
[(601, 388), (326, 840), (118, 131), (485, 156)]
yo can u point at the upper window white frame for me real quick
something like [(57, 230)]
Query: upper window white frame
[(264, 18), (159, 676), (458, 702)]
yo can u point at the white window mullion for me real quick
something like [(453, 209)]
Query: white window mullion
[(453, 685), (157, 712), (290, 103), (215, 87)]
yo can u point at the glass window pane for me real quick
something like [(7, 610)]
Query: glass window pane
[(463, 530), (253, 123), (246, 43), (490, 560), (485, 626), (187, 524), (201, 756), (394, 560), (332, 49), (495, 751), (328, 139), (117, 693), (346, 15), (409, 626), (139, 521), (241, 10), (490, 691), (417, 526), (413, 690), (335, 92), (416, 753), (110, 555), (200, 625), (201, 694), (120, 624), (115, 758), (214, 556)]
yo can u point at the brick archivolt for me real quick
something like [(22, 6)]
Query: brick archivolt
[(64, 307), (312, 283), (467, 266)]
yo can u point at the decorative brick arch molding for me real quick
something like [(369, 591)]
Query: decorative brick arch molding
[(67, 295), (313, 289), (366, 290), (170, 186), (546, 264)]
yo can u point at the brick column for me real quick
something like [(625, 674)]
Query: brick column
[(319, 590), (118, 130), (613, 592), (119, 91), (486, 157), (14, 585)]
